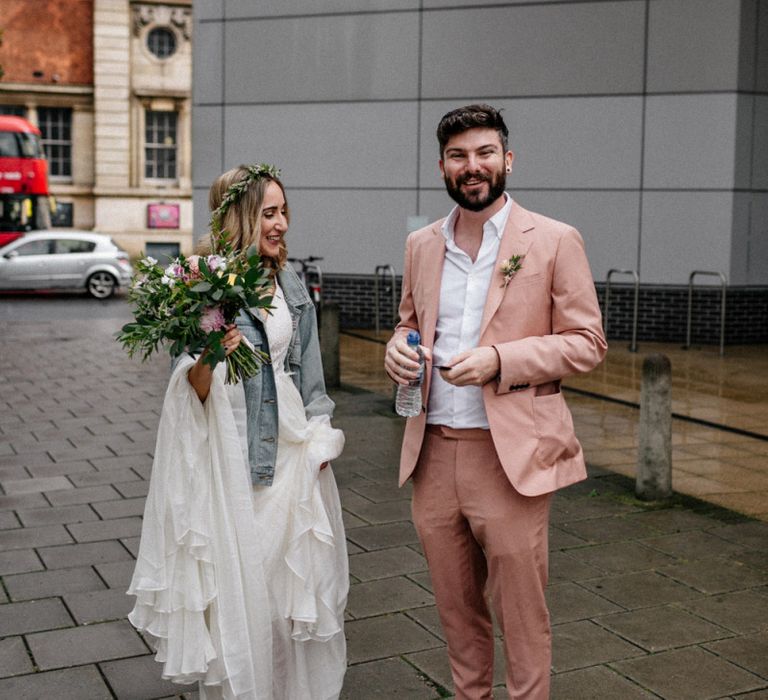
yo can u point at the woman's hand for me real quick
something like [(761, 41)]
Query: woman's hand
[(201, 374), (232, 338)]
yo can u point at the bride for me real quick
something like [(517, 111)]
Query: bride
[(242, 577)]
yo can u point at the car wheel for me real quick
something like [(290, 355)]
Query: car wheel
[(101, 285)]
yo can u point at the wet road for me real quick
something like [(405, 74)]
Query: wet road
[(40, 307)]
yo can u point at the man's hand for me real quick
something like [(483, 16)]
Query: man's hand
[(402, 362), (472, 367)]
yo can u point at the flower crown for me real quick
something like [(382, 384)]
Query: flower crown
[(235, 191)]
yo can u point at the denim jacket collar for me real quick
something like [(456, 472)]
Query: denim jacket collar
[(294, 291)]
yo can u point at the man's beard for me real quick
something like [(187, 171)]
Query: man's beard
[(475, 201)]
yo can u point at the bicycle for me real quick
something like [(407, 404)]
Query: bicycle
[(312, 277)]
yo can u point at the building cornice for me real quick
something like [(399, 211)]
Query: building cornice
[(37, 89), (177, 3), (143, 192), (67, 189), (147, 93)]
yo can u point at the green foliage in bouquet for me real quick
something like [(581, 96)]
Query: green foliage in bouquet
[(187, 306)]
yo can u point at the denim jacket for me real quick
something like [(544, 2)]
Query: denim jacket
[(302, 360)]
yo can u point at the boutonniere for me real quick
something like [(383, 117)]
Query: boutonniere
[(510, 267)]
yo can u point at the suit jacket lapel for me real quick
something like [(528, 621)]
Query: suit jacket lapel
[(516, 240), (430, 275)]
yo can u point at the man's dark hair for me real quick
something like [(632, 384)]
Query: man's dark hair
[(478, 116)]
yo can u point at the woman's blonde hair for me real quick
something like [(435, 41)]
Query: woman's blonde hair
[(242, 219)]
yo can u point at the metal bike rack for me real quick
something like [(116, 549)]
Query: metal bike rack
[(381, 272), (723, 286), (636, 278)]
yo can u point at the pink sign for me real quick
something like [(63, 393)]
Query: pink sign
[(162, 216)]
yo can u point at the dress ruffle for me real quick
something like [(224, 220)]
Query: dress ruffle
[(199, 580), (315, 590)]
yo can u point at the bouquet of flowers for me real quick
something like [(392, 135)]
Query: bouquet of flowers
[(187, 306)]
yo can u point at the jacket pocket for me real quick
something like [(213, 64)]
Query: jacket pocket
[(518, 281), (554, 429)]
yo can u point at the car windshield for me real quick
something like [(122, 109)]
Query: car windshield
[(17, 212), (9, 146), (14, 144), (30, 145)]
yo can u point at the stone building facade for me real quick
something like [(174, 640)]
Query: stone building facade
[(108, 82)]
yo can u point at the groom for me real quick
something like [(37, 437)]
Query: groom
[(506, 306)]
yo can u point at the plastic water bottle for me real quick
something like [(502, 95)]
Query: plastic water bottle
[(408, 399)]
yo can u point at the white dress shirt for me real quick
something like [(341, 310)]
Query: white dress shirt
[(463, 290)]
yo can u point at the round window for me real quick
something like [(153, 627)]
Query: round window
[(161, 42)]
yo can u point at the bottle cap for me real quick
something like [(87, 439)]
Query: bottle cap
[(413, 338)]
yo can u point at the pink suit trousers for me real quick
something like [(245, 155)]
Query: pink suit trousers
[(483, 539)]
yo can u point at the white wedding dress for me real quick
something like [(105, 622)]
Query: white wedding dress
[(299, 517), (249, 601)]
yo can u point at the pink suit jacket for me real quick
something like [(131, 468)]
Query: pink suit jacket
[(545, 324)]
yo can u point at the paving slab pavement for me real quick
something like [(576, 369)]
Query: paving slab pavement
[(646, 602)]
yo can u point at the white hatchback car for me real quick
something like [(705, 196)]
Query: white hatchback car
[(65, 260)]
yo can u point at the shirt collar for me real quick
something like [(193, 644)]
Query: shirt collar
[(497, 222)]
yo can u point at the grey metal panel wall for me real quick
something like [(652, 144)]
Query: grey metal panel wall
[(693, 45), (641, 122), (345, 146), (283, 8), (559, 142), (322, 58), (572, 49)]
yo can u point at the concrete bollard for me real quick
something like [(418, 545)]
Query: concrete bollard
[(654, 452), (330, 321)]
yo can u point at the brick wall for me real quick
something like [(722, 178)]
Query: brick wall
[(52, 36), (355, 294), (662, 310)]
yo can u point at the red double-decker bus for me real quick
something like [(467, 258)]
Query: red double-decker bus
[(24, 196)]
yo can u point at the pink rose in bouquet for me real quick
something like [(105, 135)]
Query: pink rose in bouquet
[(212, 320)]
